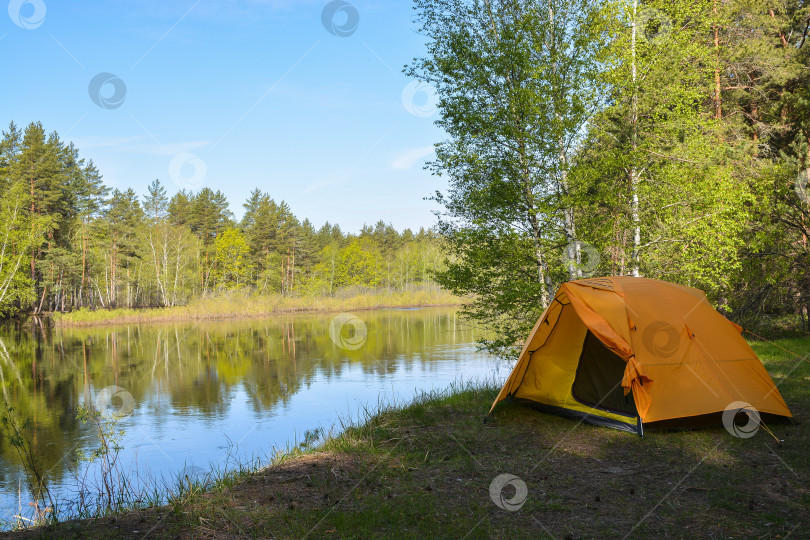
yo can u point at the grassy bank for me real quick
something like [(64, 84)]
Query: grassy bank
[(425, 470), (235, 305)]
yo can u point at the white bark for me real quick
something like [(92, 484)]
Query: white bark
[(16, 265), (634, 203)]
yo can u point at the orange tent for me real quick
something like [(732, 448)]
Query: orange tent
[(631, 352)]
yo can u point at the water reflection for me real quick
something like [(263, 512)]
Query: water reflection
[(194, 387)]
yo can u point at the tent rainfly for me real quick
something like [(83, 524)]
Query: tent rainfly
[(634, 353)]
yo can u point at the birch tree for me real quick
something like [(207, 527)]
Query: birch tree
[(517, 84), (17, 237)]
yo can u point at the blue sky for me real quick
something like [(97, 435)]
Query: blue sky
[(232, 95)]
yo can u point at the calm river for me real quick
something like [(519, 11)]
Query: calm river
[(193, 396)]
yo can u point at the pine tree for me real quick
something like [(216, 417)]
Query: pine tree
[(156, 203), (123, 216), (180, 208)]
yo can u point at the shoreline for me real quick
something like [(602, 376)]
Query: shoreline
[(230, 307), (426, 468)]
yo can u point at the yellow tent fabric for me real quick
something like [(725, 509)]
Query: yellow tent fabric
[(628, 352)]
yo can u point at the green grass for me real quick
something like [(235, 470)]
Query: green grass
[(770, 326), (424, 471), (240, 305)]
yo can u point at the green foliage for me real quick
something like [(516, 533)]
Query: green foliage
[(67, 242), (232, 263), (17, 236), (663, 138), (359, 263), (518, 82)]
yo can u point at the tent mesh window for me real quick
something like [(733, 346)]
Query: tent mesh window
[(598, 381)]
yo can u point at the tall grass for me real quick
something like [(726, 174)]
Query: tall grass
[(243, 305), (118, 489)]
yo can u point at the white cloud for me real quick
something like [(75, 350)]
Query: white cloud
[(409, 158)]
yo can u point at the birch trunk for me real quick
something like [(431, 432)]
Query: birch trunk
[(634, 203), (573, 248), (718, 108)]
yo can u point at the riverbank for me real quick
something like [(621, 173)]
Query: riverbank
[(236, 305), (427, 470)]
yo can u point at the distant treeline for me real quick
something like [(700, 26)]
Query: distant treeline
[(68, 241)]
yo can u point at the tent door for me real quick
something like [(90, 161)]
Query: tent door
[(598, 379)]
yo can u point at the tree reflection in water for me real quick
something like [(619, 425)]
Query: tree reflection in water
[(194, 386)]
